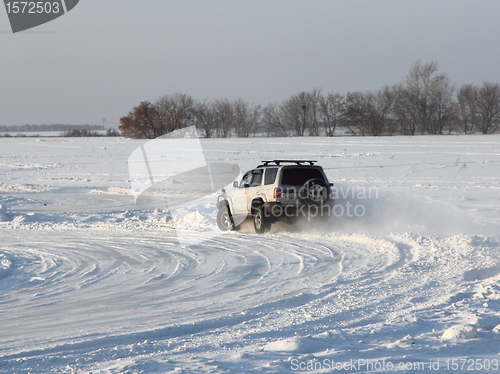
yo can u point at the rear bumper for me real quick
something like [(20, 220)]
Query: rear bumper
[(279, 210)]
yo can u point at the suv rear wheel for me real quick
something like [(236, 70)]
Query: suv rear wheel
[(260, 221)]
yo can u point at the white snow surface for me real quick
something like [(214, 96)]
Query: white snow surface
[(91, 284)]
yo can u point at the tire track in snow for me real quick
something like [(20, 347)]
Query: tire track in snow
[(108, 290), (107, 284), (220, 286)]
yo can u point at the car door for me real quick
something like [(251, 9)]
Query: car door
[(238, 195), (247, 190), (255, 188)]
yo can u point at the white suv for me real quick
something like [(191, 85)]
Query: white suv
[(276, 190)]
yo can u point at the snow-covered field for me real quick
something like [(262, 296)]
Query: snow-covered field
[(90, 283)]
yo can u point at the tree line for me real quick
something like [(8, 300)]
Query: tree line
[(426, 102), (71, 133), (87, 133), (52, 127)]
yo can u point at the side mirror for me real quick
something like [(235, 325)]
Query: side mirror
[(235, 184)]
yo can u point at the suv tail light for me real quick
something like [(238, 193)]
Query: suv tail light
[(277, 193)]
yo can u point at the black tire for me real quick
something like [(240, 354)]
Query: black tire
[(314, 192), (260, 221), (224, 219)]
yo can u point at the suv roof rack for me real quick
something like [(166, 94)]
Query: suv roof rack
[(278, 162)]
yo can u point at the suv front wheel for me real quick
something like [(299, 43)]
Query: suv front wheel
[(224, 219)]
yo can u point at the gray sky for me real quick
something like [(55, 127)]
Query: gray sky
[(104, 57)]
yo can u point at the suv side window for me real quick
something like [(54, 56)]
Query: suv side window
[(257, 178), (245, 181), (270, 175)]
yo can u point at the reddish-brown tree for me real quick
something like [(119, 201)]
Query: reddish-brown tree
[(141, 122)]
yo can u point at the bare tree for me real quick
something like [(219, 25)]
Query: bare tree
[(246, 118), (405, 110), (301, 112), (205, 118), (419, 82), (331, 112), (467, 98), (382, 105), (356, 115), (441, 104), (293, 114), (488, 106), (223, 112), (313, 110), (273, 120), (370, 113), (174, 112)]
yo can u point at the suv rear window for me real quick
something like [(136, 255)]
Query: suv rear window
[(298, 176)]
